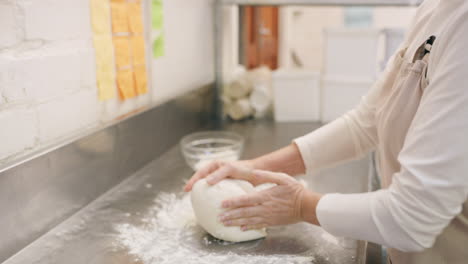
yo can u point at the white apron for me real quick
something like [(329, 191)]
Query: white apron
[(402, 92)]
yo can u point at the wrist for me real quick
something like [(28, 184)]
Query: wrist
[(256, 164), (309, 204)]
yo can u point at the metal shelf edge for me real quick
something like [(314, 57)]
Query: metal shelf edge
[(324, 2)]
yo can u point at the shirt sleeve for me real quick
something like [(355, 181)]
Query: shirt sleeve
[(432, 185), (349, 137), (354, 135)]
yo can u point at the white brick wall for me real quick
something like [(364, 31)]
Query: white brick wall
[(9, 90), (9, 30), (44, 74), (47, 69), (47, 74), (56, 19), (2, 99), (67, 115), (17, 131)]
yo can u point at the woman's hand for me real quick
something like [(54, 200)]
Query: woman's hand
[(287, 203), (219, 170), (287, 159)]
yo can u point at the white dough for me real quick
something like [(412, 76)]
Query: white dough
[(206, 203), (264, 186)]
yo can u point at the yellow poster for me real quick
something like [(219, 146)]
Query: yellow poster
[(102, 39), (138, 48), (119, 16), (100, 17), (135, 18), (120, 48), (105, 70), (126, 84), (122, 52), (141, 82)]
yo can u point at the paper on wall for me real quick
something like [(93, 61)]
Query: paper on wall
[(105, 70), (141, 82), (157, 26), (135, 18), (102, 39), (119, 16), (122, 51), (100, 17), (119, 43), (138, 50), (126, 84)]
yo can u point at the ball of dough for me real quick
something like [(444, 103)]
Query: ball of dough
[(206, 203)]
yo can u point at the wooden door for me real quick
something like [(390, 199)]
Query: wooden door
[(260, 40)]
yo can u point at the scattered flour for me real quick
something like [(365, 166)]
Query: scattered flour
[(168, 234), (339, 241), (330, 238)]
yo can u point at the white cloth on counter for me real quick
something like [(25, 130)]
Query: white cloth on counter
[(239, 109), (429, 191), (239, 85), (248, 93), (260, 99)]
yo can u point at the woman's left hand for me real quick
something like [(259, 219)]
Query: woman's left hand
[(287, 203)]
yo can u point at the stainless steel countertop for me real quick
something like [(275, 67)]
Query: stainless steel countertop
[(92, 236)]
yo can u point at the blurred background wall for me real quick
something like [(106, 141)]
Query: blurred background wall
[(47, 69)]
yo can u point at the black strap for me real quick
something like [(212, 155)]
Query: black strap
[(430, 42), (424, 49)]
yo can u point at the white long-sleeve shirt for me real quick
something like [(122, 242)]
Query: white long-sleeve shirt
[(431, 187)]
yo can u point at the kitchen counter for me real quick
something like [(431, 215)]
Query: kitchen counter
[(148, 219)]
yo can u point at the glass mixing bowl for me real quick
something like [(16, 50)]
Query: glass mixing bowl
[(201, 148)]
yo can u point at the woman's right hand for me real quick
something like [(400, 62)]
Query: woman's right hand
[(219, 170)]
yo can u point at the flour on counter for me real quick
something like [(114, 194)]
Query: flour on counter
[(330, 238), (168, 234), (339, 241)]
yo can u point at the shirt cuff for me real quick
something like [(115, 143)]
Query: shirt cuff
[(349, 215), (304, 149)]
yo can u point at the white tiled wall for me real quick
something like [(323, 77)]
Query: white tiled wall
[(47, 71)]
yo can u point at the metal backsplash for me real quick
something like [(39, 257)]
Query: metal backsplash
[(39, 194)]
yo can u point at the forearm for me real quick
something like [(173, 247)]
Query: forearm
[(286, 160), (320, 149), (337, 142)]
